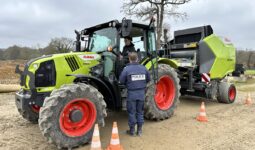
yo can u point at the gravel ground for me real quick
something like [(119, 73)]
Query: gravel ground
[(229, 127)]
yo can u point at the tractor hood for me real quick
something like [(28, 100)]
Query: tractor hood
[(46, 73)]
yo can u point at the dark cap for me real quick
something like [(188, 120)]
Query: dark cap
[(128, 37)]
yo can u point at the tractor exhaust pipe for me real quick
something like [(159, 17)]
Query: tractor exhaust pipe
[(78, 41)]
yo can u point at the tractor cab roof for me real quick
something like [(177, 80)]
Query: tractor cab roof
[(113, 23)]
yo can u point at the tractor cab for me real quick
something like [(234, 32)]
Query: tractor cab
[(107, 39)]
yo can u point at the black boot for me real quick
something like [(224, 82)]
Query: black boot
[(131, 131), (139, 130)]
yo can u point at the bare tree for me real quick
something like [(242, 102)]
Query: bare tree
[(62, 45), (166, 32), (145, 9)]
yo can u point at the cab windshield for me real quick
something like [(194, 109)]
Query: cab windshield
[(101, 39)]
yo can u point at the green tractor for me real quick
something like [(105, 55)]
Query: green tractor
[(68, 93)]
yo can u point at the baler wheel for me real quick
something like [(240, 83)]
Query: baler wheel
[(226, 93)]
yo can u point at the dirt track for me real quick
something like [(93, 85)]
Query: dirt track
[(229, 127)]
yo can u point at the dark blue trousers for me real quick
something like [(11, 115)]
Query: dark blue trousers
[(135, 110)]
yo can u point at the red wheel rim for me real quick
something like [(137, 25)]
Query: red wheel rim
[(232, 93), (36, 108), (165, 92), (81, 127)]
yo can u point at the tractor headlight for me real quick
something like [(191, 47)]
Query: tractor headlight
[(35, 66), (97, 70)]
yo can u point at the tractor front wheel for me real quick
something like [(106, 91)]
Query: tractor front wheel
[(162, 98), (69, 114), (31, 113)]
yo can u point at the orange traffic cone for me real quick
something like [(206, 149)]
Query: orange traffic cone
[(115, 141), (248, 100), (96, 144), (202, 115)]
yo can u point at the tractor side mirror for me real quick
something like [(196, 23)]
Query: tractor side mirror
[(126, 27)]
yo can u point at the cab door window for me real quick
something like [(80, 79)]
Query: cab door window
[(138, 40)]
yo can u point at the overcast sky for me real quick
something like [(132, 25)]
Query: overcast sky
[(35, 22)]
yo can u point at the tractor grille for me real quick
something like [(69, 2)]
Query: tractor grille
[(45, 75), (72, 62)]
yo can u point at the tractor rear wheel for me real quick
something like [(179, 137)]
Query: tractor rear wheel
[(162, 98), (69, 114), (226, 93)]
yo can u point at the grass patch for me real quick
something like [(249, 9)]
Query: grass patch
[(248, 82), (247, 86), (249, 72)]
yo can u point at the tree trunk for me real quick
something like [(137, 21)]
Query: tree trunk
[(159, 28), (165, 35), (249, 60)]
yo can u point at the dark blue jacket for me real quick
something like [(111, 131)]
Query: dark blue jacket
[(135, 77)]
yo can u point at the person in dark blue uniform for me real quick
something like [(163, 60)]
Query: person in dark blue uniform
[(135, 77)]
